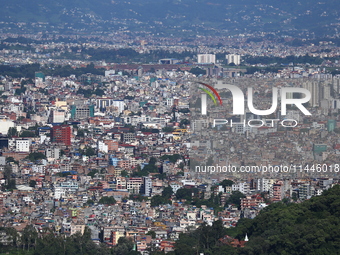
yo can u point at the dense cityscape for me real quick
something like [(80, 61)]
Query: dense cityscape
[(106, 149)]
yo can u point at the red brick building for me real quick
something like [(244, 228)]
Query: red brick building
[(61, 134)]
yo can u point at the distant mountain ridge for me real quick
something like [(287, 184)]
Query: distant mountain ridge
[(191, 17)]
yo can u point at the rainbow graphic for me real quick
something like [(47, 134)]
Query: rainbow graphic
[(204, 97)]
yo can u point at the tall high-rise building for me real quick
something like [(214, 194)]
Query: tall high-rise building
[(61, 134), (315, 89), (326, 91), (206, 58), (119, 104), (233, 58), (147, 186), (336, 84)]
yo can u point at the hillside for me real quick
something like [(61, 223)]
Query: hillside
[(177, 17), (308, 228), (311, 227)]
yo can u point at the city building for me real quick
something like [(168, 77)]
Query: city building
[(233, 58), (315, 90), (5, 124), (82, 111), (53, 153), (57, 116), (22, 145), (61, 134), (147, 186), (206, 58)]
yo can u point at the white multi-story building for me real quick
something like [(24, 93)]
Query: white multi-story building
[(243, 187), (109, 102), (53, 153), (264, 184), (62, 188), (206, 58), (169, 101), (57, 116), (102, 147), (134, 120), (147, 186), (315, 89), (233, 58), (59, 193), (22, 145), (38, 169), (119, 104)]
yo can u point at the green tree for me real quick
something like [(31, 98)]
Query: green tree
[(29, 237), (8, 172), (11, 184), (78, 243), (172, 158), (12, 235), (10, 159), (235, 198), (89, 151), (310, 227), (204, 239), (124, 173), (149, 168), (197, 71), (152, 161), (151, 233), (159, 200), (161, 176), (181, 166), (90, 202), (27, 133), (107, 200), (12, 131), (36, 156), (124, 246), (138, 197), (226, 183), (168, 129), (80, 133), (167, 192), (92, 173), (187, 194), (99, 92), (32, 183)]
